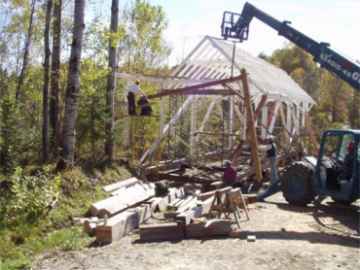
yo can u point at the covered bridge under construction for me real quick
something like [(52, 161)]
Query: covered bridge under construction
[(220, 85)]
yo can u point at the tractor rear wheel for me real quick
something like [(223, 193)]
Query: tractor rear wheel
[(297, 183), (343, 202)]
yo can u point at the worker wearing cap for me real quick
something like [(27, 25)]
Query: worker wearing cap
[(133, 90), (229, 177)]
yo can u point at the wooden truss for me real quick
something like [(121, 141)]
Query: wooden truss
[(261, 100)]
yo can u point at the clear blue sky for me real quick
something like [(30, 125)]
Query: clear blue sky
[(333, 21)]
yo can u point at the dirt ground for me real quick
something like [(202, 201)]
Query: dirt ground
[(287, 237)]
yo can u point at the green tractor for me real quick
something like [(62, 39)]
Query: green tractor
[(335, 173)]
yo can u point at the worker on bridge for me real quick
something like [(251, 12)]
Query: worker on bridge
[(133, 90)]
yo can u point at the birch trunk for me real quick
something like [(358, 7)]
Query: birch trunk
[(73, 86), (26, 52), (45, 128), (111, 84), (55, 78)]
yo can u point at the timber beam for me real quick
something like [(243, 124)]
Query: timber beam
[(195, 88)]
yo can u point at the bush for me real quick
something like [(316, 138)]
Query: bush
[(29, 198)]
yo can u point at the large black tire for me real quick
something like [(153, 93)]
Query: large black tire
[(297, 183), (343, 202)]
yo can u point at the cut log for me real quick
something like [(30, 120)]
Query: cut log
[(117, 226), (161, 232), (127, 198), (206, 195), (215, 227), (121, 184), (120, 225)]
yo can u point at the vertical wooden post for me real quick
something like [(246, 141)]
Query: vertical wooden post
[(251, 127), (193, 127), (264, 117), (288, 117), (284, 125)]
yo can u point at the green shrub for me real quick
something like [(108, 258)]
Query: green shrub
[(30, 197)]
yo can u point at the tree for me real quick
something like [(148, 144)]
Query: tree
[(73, 85), (111, 82), (45, 129), (55, 78), (146, 46), (354, 115), (26, 51)]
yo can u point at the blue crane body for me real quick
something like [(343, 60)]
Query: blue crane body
[(336, 170), (236, 26)]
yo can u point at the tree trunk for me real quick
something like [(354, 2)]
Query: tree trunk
[(26, 52), (73, 85), (111, 84), (55, 78), (45, 128)]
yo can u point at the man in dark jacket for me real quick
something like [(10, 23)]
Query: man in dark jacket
[(271, 154), (229, 177), (145, 106)]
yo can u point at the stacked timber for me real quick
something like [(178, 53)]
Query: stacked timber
[(122, 199), (180, 213), (131, 203)]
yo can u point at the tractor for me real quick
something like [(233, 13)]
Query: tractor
[(335, 172)]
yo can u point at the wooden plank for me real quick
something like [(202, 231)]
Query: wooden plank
[(215, 227), (179, 178), (161, 232), (194, 88), (127, 198), (117, 227), (260, 106), (206, 195), (121, 184), (114, 228), (252, 130)]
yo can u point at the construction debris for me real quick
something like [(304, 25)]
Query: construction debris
[(181, 212), (122, 199)]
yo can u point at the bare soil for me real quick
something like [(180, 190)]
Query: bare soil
[(287, 237)]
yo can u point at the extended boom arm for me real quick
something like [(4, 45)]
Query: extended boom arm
[(236, 26)]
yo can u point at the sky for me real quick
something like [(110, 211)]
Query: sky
[(334, 21)]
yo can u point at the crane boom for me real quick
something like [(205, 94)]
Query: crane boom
[(236, 26)]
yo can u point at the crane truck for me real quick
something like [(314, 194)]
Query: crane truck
[(335, 172)]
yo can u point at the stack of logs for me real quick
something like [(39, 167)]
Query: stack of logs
[(184, 212)]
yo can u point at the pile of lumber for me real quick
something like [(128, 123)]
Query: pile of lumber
[(131, 203), (182, 212), (198, 216)]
